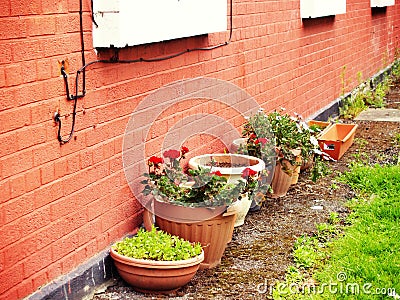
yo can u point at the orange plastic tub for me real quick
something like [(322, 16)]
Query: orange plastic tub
[(337, 139)]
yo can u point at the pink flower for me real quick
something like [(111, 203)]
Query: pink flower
[(218, 173), (263, 141), (184, 150), (155, 160), (248, 172), (172, 154)]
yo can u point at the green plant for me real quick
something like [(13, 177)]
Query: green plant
[(320, 169), (198, 188), (157, 245), (278, 134)]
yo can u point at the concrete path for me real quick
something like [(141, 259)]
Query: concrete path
[(380, 115)]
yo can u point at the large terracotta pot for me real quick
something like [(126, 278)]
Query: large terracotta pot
[(156, 276), (213, 234)]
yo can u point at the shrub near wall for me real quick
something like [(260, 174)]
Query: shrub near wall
[(62, 204)]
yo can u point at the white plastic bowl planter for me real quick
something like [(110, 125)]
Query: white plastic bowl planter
[(230, 165)]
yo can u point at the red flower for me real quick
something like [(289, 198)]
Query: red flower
[(253, 136), (218, 173), (172, 154), (248, 172), (184, 150), (263, 141), (155, 160)]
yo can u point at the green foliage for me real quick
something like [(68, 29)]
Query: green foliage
[(368, 251), (157, 245), (353, 105), (167, 182), (365, 97), (320, 169)]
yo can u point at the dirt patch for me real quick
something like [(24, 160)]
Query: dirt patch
[(260, 251)]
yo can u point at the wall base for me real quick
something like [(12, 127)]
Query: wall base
[(332, 109), (81, 283)]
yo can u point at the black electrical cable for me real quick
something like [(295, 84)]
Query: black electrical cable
[(82, 70)]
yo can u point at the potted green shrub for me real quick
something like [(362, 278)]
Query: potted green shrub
[(292, 140), (155, 261)]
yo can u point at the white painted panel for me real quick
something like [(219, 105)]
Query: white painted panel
[(321, 8), (135, 22), (382, 3)]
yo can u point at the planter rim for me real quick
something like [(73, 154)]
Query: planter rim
[(193, 164), (155, 264)]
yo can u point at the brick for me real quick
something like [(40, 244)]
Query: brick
[(10, 294), (48, 193), (31, 135), (17, 185), (5, 8), (11, 28), (36, 262), (85, 159), (18, 207), (14, 118), (60, 168), (20, 9), (10, 233), (24, 288), (8, 143), (2, 262), (46, 152), (47, 173), (73, 163), (5, 190), (8, 98), (41, 25), (12, 165), (10, 277), (35, 221), (32, 180)]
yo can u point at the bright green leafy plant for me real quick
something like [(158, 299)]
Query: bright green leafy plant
[(157, 245)]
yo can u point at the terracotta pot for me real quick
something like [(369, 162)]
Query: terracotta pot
[(296, 170), (213, 234), (307, 164), (185, 214), (241, 208), (281, 181), (156, 276), (233, 174), (237, 143)]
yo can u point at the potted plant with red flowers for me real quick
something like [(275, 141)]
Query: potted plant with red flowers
[(253, 191), (192, 205)]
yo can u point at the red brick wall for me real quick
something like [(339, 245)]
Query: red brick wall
[(60, 205)]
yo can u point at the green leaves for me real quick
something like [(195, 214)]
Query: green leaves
[(157, 245)]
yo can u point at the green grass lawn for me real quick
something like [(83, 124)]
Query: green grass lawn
[(364, 261)]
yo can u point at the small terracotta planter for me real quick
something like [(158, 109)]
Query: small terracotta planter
[(150, 276), (297, 168), (212, 234), (337, 139), (281, 181)]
